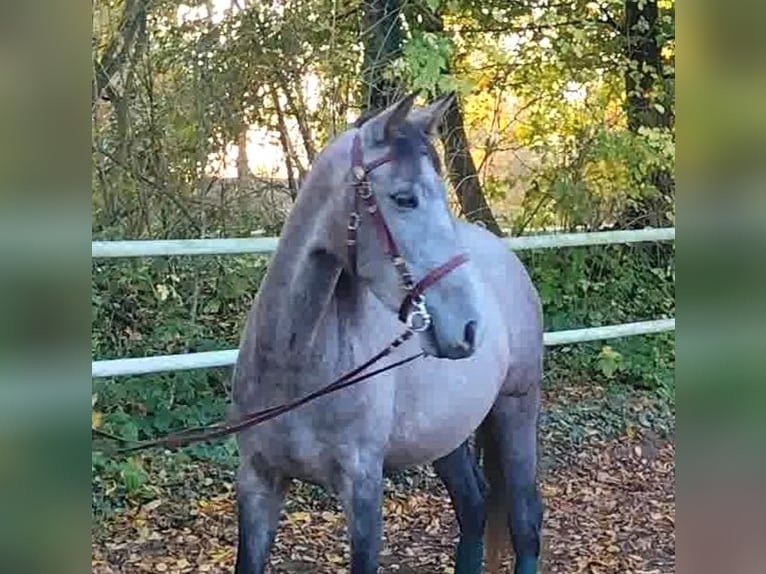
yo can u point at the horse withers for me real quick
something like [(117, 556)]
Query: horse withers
[(371, 244)]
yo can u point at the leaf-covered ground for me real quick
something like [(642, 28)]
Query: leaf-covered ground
[(607, 478)]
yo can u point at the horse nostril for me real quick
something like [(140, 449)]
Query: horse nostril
[(470, 334)]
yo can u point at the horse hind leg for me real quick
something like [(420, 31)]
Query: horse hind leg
[(260, 494), (465, 485), (509, 443)]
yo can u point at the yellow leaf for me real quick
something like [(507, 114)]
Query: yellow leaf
[(222, 555), (299, 516), (153, 505), (162, 291), (96, 418)]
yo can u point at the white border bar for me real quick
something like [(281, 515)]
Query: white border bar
[(265, 245), (145, 365)]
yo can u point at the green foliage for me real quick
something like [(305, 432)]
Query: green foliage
[(597, 286), (593, 175), (159, 306), (133, 475), (609, 361), (424, 64)]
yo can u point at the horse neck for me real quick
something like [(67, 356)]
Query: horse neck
[(300, 286)]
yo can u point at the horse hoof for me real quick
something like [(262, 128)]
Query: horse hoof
[(525, 565), (469, 557)]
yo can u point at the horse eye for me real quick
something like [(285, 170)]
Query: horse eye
[(405, 200)]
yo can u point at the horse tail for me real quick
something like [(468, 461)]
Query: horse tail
[(497, 504)]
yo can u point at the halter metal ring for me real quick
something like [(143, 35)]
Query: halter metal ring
[(418, 319), (358, 172), (353, 221), (364, 190)]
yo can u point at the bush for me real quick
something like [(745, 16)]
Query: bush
[(162, 306), (607, 285), (158, 306)]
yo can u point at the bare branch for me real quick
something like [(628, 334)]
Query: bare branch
[(118, 51)]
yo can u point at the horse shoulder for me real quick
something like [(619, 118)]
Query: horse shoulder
[(501, 267)]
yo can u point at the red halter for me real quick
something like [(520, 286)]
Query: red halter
[(413, 311)]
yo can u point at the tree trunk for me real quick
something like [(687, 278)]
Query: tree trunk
[(460, 165), (462, 171), (243, 164), (118, 50), (298, 111), (645, 66), (287, 148), (382, 37), (642, 79)]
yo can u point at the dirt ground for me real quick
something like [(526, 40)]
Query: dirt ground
[(609, 497)]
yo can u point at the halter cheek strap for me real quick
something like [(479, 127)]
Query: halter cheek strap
[(431, 278), (413, 311)]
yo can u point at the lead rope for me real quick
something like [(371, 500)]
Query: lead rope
[(222, 428)]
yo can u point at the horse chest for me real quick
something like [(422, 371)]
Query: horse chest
[(439, 406)]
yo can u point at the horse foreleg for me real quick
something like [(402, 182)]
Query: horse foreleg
[(465, 485), (259, 501), (362, 496)]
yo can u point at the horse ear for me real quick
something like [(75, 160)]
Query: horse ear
[(430, 118), (386, 124)]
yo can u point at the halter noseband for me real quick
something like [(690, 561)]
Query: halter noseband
[(413, 311)]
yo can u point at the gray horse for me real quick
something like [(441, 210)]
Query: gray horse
[(324, 308)]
